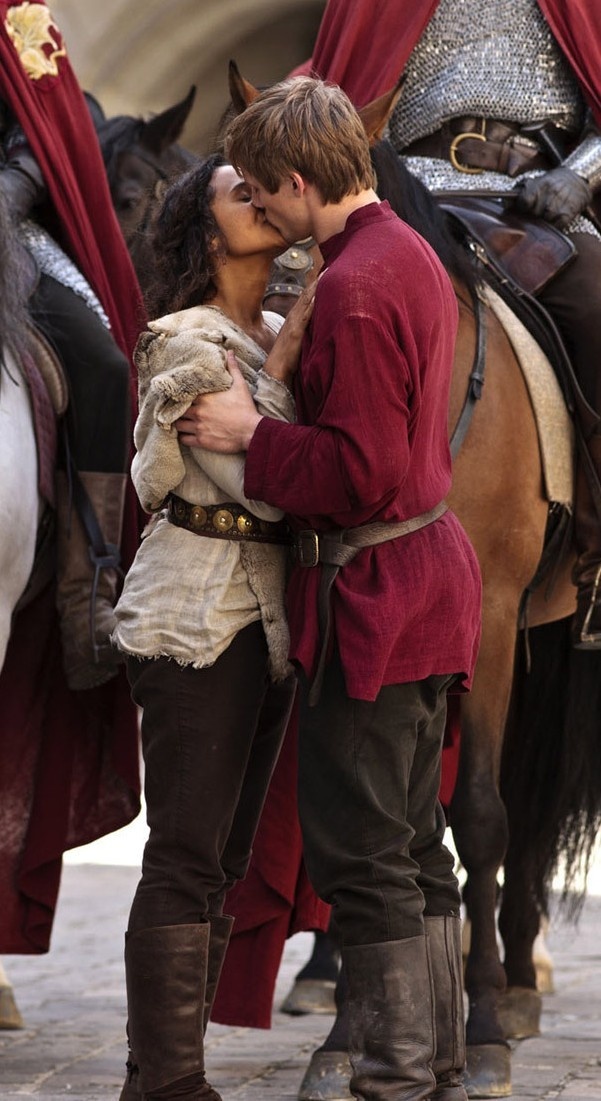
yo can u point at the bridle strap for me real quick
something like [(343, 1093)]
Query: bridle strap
[(292, 290)]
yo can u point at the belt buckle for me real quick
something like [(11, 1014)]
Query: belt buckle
[(307, 547), (453, 152)]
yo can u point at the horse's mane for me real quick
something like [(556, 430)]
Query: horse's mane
[(412, 201)]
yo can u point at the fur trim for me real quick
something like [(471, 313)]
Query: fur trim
[(181, 356)]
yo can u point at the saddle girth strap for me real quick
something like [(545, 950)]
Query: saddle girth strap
[(476, 378)]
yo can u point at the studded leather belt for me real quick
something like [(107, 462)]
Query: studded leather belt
[(227, 521), (475, 145)]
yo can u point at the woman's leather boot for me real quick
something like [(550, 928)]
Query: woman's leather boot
[(165, 969)]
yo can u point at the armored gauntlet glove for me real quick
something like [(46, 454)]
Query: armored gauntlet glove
[(564, 192)]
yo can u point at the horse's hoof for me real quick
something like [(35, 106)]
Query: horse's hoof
[(310, 996), (488, 1072), (327, 1077), (9, 1012), (519, 1012)]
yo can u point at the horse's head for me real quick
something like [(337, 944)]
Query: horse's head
[(140, 156)]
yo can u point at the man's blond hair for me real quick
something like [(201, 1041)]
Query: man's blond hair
[(306, 126)]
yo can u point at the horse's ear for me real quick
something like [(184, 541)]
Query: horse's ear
[(375, 115), (242, 92), (163, 130)]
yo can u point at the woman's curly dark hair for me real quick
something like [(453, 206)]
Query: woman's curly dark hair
[(187, 242)]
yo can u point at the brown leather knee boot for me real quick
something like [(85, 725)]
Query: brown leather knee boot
[(165, 969), (444, 946), (391, 1014), (220, 929), (586, 629)]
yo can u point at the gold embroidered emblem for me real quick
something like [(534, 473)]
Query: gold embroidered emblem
[(30, 28)]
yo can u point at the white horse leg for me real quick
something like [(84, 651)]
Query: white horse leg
[(19, 510), (18, 493), (9, 1013), (542, 961)]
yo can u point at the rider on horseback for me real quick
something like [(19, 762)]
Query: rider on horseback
[(86, 303), (505, 98)]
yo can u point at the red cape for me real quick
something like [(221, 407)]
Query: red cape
[(68, 761), (274, 901), (364, 45)]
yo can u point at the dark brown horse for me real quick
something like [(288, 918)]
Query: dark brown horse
[(141, 157), (529, 786)]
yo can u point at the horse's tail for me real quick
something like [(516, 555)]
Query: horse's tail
[(551, 769)]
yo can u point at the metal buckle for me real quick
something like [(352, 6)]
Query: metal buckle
[(307, 547), (453, 153)]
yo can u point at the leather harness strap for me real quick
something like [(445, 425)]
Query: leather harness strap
[(475, 381)]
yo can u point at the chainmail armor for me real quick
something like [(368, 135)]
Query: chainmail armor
[(51, 260), (492, 59), (488, 58)]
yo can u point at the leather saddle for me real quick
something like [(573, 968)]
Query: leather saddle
[(521, 254), (529, 251)]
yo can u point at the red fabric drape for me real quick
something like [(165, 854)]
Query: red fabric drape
[(273, 902), (57, 123), (576, 25), (68, 761)]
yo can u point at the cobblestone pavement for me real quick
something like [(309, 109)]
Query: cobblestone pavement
[(73, 1003)]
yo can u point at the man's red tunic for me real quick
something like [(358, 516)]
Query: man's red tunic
[(371, 444)]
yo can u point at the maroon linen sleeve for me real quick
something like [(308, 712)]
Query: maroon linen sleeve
[(353, 457)]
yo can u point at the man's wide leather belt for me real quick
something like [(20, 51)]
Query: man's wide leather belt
[(227, 521), (475, 145), (336, 548), (333, 549)]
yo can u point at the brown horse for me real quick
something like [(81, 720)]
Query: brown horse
[(512, 807), (529, 783), (499, 497)]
